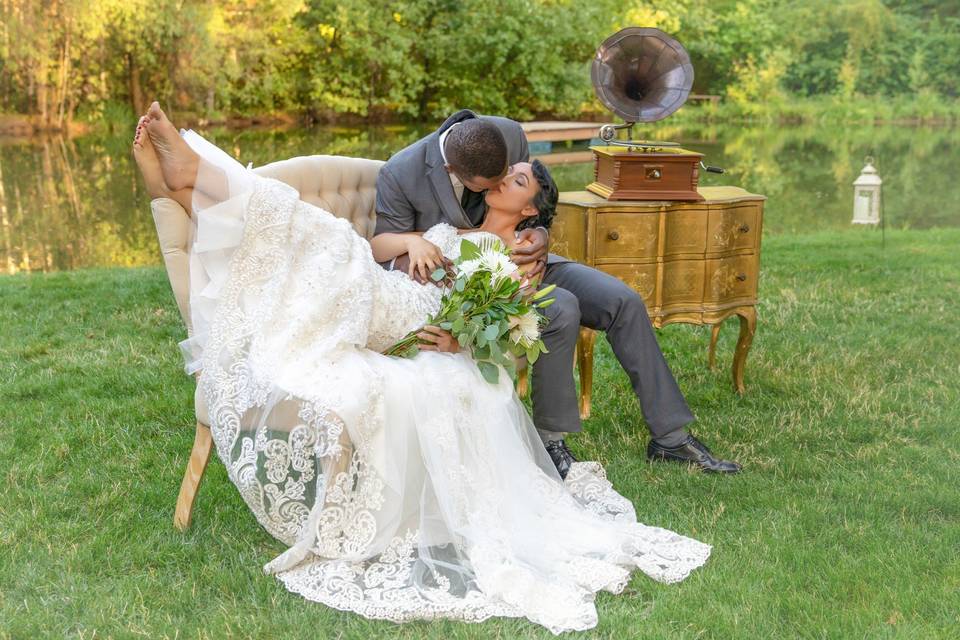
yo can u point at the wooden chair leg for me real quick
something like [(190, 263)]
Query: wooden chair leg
[(199, 456), (585, 365)]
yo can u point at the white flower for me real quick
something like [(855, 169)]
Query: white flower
[(498, 264), (525, 329), (469, 267)]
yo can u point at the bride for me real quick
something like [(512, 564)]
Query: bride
[(405, 489)]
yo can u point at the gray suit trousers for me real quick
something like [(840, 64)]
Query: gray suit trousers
[(588, 297)]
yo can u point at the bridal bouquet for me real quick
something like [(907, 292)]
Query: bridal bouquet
[(488, 308)]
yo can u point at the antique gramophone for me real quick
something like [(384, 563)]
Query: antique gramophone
[(643, 75)]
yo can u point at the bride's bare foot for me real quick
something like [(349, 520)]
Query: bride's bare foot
[(149, 163), (178, 162)]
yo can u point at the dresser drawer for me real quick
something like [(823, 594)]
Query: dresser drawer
[(732, 278), (627, 235), (685, 229), (642, 278), (733, 228), (568, 234), (682, 282)]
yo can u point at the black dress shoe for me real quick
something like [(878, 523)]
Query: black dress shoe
[(692, 451), (561, 456)]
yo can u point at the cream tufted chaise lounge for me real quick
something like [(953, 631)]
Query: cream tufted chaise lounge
[(343, 186)]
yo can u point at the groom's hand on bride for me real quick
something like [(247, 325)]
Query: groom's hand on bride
[(534, 244), (438, 339)]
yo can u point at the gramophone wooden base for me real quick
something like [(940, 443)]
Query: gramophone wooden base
[(665, 174), (604, 191)]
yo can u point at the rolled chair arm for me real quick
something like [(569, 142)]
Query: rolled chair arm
[(173, 232)]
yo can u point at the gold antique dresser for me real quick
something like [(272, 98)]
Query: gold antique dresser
[(694, 262)]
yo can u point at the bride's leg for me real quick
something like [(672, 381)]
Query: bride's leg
[(149, 163), (180, 165)]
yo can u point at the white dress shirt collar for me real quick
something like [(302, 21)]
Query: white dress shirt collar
[(454, 179)]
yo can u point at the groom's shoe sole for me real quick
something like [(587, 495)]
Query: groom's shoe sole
[(692, 452)]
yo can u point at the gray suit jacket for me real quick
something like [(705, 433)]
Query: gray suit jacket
[(413, 188)]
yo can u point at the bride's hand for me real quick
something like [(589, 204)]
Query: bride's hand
[(425, 257), (439, 339)]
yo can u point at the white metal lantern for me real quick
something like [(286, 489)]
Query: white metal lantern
[(866, 195)]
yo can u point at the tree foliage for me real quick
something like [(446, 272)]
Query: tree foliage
[(424, 58)]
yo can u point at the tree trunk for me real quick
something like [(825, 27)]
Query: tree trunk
[(64, 76), (42, 97), (136, 92)]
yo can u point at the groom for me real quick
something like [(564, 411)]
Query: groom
[(443, 178)]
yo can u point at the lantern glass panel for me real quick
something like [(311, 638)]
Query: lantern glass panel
[(862, 206)]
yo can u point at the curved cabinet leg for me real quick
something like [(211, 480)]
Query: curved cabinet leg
[(199, 456), (748, 325), (712, 353), (585, 365)]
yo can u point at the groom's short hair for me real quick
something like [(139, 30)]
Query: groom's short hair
[(476, 147)]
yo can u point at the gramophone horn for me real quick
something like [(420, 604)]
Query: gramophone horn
[(642, 74)]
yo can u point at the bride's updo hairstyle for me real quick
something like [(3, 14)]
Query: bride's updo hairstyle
[(545, 202)]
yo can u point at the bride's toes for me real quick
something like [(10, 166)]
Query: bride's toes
[(138, 135)]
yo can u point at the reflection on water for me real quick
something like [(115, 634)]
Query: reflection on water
[(66, 204)]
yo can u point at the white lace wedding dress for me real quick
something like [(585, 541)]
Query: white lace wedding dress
[(405, 489)]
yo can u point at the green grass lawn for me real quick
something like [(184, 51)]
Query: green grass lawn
[(844, 524)]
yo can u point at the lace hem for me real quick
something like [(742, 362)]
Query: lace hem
[(387, 588)]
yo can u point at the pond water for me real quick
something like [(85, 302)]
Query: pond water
[(73, 203)]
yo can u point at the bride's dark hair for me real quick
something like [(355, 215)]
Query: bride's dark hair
[(545, 201)]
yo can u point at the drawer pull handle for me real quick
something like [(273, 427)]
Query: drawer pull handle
[(614, 235), (744, 228), (742, 277)]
